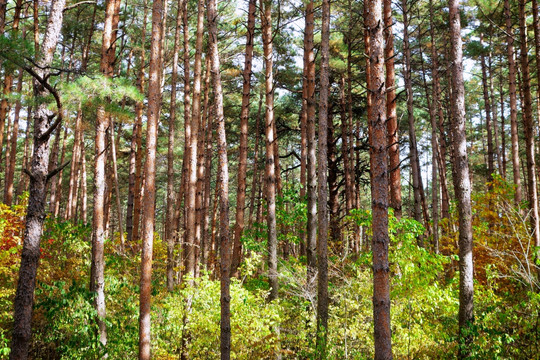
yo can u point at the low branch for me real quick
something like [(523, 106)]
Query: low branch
[(57, 170)]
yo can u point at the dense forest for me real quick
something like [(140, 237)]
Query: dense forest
[(272, 179)]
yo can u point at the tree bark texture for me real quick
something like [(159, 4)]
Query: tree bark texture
[(148, 217), (43, 120), (379, 181), (462, 185), (244, 122)]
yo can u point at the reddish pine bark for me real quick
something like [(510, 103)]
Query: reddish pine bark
[(379, 181), (391, 113), (225, 324), (244, 122), (148, 217)]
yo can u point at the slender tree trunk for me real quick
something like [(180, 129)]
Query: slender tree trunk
[(97, 280), (322, 175), (171, 200), (43, 124), (379, 182), (413, 149), (440, 134), (116, 187), (138, 181), (59, 181), (135, 141), (432, 106), (84, 191), (72, 188), (201, 171), (21, 186), (462, 185), (244, 123), (255, 181), (154, 104), (391, 112), (266, 9), (503, 130), (12, 158), (528, 129), (206, 204), (345, 149), (309, 64), (487, 105), (224, 187), (191, 239), (513, 100)]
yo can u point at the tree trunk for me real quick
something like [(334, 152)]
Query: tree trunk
[(244, 123), (487, 105), (72, 188), (136, 153), (97, 280), (379, 182), (462, 185), (322, 175), (391, 113), (224, 186), (12, 158), (43, 124), (528, 129), (513, 100), (309, 64), (413, 149), (255, 181), (191, 240), (171, 200), (154, 104), (266, 15), (21, 186), (116, 187), (201, 171)]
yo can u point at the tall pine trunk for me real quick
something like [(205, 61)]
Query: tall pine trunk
[(244, 122), (391, 112), (225, 324), (39, 175), (513, 100), (528, 128), (148, 217), (379, 181), (462, 185), (266, 15)]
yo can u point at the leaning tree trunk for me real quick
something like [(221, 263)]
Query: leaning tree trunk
[(148, 217), (39, 175), (462, 186)]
